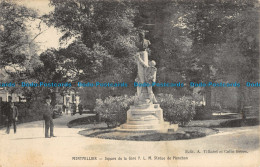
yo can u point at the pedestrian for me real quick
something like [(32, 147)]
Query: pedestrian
[(64, 108), (80, 106), (74, 108), (12, 116), (47, 116), (68, 108)]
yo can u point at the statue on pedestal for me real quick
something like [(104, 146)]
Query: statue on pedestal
[(146, 73), (145, 114)]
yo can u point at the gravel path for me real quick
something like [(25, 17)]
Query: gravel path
[(29, 148)]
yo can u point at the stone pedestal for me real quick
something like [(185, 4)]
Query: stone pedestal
[(147, 117)]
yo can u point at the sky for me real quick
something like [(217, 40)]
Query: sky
[(50, 37)]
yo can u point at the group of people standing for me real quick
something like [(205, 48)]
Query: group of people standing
[(73, 108)]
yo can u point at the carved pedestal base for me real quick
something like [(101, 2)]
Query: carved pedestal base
[(147, 117)]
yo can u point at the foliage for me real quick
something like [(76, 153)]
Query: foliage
[(191, 41), (18, 50), (221, 43), (113, 109), (27, 111), (79, 61), (201, 113), (200, 41), (104, 37), (16, 43), (179, 111)]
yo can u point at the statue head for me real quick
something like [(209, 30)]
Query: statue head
[(48, 100), (152, 63)]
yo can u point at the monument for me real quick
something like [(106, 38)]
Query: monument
[(145, 114)]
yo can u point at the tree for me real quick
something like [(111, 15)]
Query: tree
[(240, 52), (214, 27), (104, 39), (191, 40), (18, 50), (15, 40), (80, 62), (105, 24), (199, 41)]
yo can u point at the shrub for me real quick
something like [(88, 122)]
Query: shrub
[(179, 111), (200, 112), (33, 112), (113, 109)]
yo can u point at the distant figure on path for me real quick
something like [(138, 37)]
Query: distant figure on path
[(73, 108), (64, 108), (80, 106)]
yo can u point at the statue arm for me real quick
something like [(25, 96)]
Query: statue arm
[(154, 74), (138, 58), (151, 74), (149, 43)]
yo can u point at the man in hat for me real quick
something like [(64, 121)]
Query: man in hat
[(47, 116)]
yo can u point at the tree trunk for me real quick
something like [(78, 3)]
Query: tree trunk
[(208, 97), (1, 114), (240, 99), (207, 89)]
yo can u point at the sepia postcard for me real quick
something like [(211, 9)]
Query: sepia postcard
[(129, 83)]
